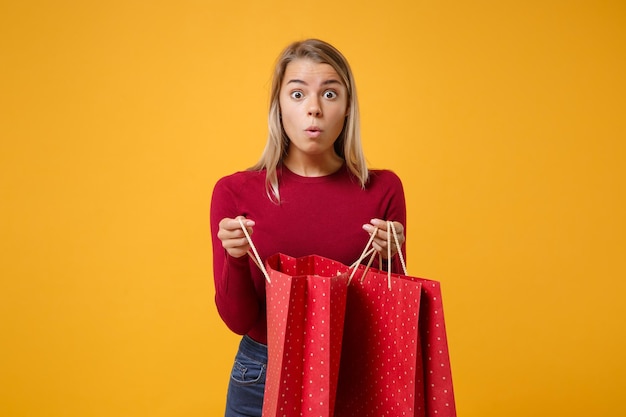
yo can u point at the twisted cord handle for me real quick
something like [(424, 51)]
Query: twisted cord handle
[(255, 256), (391, 230)]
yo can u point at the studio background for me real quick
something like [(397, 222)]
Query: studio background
[(504, 119)]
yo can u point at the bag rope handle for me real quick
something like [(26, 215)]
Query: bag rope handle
[(367, 251), (255, 257), (395, 238), (391, 229)]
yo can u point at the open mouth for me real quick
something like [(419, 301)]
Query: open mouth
[(313, 131)]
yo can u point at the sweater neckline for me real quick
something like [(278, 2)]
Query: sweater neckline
[(287, 174)]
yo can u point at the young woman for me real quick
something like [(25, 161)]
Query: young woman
[(310, 193)]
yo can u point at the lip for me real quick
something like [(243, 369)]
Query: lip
[(313, 131)]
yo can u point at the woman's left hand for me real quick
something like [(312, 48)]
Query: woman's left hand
[(380, 240)]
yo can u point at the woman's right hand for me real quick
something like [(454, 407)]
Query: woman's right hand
[(232, 237)]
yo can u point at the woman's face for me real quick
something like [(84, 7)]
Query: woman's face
[(314, 105)]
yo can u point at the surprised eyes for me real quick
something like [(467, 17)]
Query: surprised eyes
[(328, 94)]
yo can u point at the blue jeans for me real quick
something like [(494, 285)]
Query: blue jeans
[(247, 380)]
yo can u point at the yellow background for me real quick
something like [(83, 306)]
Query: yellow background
[(505, 120)]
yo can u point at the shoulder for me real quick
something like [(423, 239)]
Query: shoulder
[(235, 191), (383, 177), (240, 179), (242, 184)]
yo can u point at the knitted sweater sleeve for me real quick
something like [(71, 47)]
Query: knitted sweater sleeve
[(235, 296), (394, 211)]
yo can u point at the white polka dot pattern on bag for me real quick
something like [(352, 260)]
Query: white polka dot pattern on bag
[(438, 391), (394, 360), (395, 357), (305, 312), (378, 364)]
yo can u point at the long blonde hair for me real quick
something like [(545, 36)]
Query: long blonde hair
[(348, 144)]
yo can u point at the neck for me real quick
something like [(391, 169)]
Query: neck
[(313, 166)]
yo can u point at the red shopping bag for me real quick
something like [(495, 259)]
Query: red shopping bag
[(380, 360), (436, 370), (395, 359), (306, 300)]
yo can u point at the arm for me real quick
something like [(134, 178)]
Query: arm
[(235, 295), (394, 210)]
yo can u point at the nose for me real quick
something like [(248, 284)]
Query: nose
[(315, 110)]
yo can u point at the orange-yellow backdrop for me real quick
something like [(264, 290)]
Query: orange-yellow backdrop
[(505, 120)]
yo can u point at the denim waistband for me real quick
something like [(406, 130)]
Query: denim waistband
[(253, 349)]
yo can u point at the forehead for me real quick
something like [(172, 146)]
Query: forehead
[(309, 71)]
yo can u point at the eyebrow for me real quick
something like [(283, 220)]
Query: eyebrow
[(327, 82)]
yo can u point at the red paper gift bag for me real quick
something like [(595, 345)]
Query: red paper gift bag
[(436, 371), (395, 359), (380, 359), (306, 301)]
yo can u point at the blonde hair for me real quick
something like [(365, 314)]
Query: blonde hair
[(348, 144)]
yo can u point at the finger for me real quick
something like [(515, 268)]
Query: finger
[(237, 251), (247, 222), (376, 224), (230, 229), (382, 239), (224, 234), (232, 224), (381, 224), (379, 248), (382, 227), (240, 243), (381, 234)]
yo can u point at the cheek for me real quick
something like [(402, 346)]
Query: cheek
[(285, 108), (341, 109), (339, 115), (289, 116), (287, 119)]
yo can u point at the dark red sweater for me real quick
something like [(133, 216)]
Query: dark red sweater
[(316, 216)]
